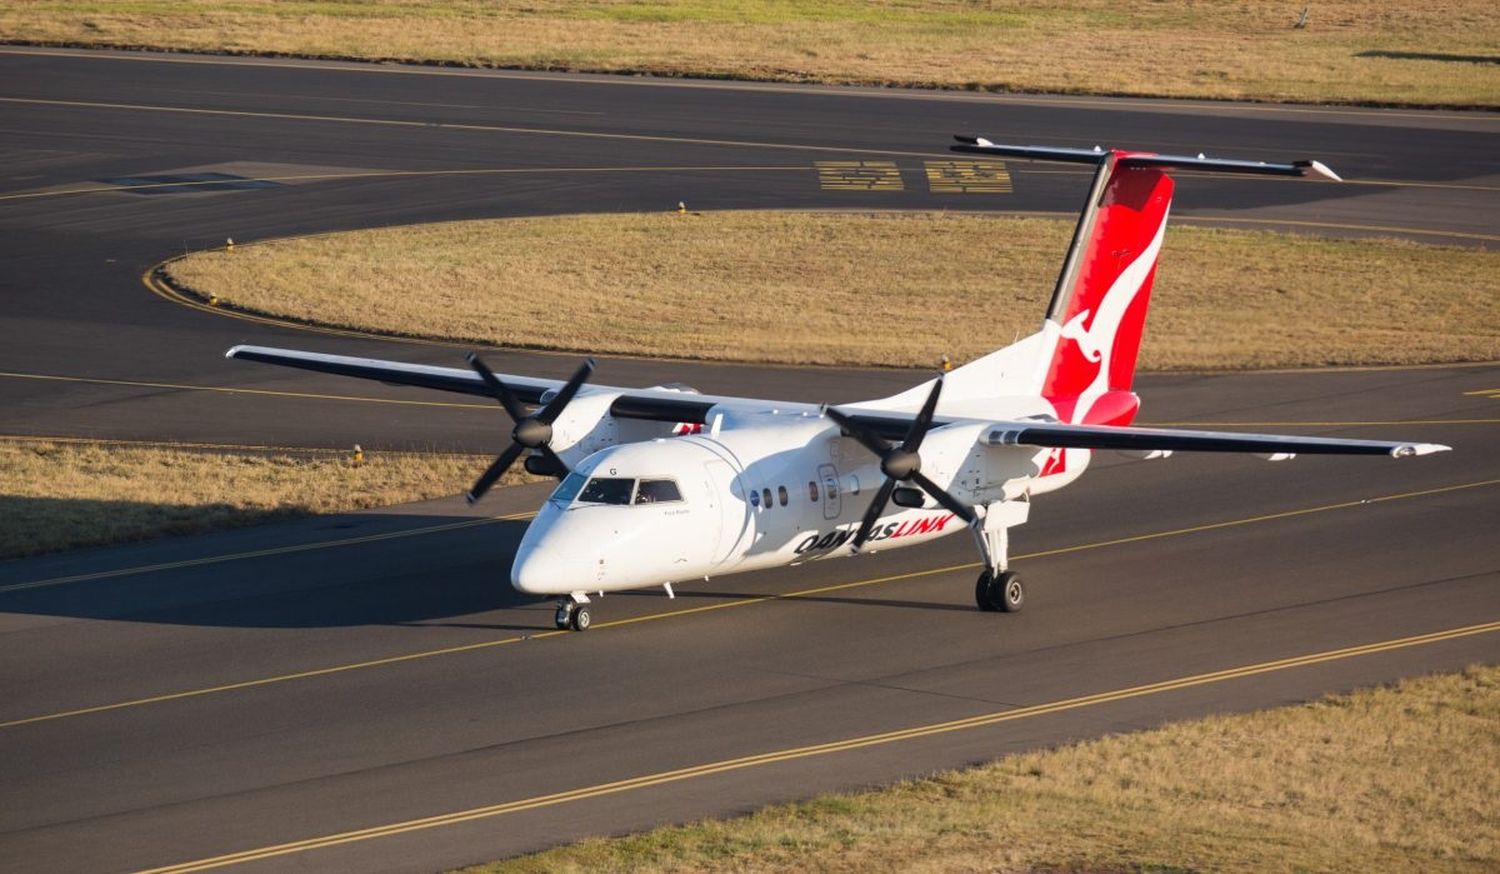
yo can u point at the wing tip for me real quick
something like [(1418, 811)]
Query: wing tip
[(234, 351), (1412, 450)]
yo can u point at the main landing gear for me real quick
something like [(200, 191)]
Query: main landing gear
[(998, 590), (573, 612)]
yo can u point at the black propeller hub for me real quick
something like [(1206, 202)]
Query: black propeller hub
[(900, 464), (532, 433)]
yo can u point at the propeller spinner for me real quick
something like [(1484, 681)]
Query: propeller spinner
[(900, 463), (530, 432)]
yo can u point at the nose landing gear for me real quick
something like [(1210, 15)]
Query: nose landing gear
[(573, 612)]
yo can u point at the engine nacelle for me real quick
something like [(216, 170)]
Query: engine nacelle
[(585, 426)]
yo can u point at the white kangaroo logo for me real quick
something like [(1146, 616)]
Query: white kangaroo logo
[(1097, 342)]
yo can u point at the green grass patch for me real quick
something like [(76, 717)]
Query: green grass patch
[(898, 290), (1402, 778), (63, 495), (1440, 53)]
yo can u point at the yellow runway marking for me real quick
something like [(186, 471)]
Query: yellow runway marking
[(1493, 393), (246, 447), (707, 769), (967, 177), (385, 174), (671, 614), (237, 391), (481, 128), (257, 553), (859, 176)]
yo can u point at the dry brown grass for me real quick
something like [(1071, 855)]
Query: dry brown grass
[(1437, 52), (1394, 779), (64, 495), (883, 289)]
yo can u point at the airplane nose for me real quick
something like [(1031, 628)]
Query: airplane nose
[(546, 572)]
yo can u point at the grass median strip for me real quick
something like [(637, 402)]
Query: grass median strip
[(1435, 53), (883, 289), (62, 495), (1404, 777)]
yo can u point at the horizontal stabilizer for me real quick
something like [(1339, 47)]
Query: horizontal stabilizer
[(982, 146), (1058, 435)]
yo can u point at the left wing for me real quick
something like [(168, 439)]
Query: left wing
[(1054, 434), (658, 405)]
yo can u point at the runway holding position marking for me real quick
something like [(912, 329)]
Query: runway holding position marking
[(239, 697)]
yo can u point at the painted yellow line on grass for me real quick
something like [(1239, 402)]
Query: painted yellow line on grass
[(707, 769), (1385, 229), (136, 570), (385, 174), (236, 391), (671, 614)]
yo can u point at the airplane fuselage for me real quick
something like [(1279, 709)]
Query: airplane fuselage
[(775, 489)]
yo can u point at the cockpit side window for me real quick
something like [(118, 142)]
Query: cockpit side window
[(568, 489), (607, 490), (657, 491)]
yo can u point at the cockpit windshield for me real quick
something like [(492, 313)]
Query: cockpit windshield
[(614, 490), (607, 490), (569, 488)]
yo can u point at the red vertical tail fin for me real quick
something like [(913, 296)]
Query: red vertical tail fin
[(1089, 343), (1098, 311)]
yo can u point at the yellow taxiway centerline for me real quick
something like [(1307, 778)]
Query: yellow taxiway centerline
[(88, 380), (650, 617), (853, 743), (384, 174)]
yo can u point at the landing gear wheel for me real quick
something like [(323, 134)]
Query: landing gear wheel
[(1001, 592), (581, 618), (563, 619)]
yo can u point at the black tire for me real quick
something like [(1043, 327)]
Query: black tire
[(581, 618), (1007, 592), (983, 588), (563, 618), (999, 594)]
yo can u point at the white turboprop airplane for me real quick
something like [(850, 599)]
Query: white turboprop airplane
[(663, 485)]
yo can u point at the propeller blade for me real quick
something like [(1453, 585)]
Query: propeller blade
[(939, 494), (877, 506), (553, 457), (870, 439), (923, 421), (494, 471), (503, 394), (554, 408)]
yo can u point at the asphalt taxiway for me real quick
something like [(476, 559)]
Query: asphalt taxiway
[(364, 691)]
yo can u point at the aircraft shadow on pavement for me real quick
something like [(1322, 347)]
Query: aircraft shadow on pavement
[(458, 574)]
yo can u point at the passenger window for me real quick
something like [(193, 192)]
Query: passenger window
[(754, 498), (657, 491), (765, 497), (607, 490), (781, 493), (812, 492)]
